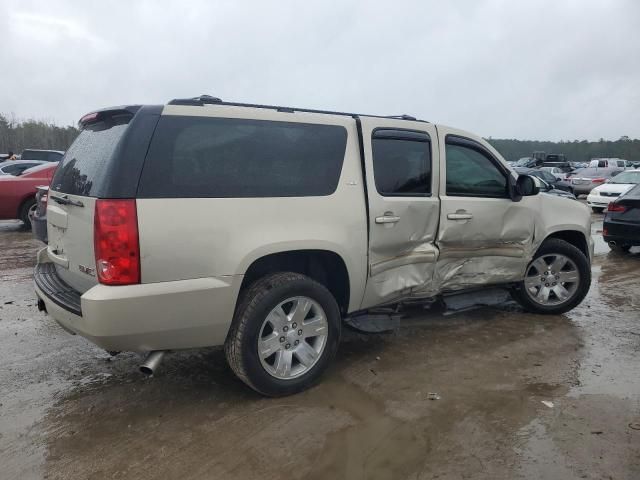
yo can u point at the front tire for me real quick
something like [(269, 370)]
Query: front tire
[(285, 331), (557, 279)]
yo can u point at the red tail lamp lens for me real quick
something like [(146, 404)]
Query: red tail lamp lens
[(116, 244)]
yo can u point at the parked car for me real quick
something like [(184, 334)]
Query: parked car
[(38, 215), (565, 167), (261, 228), (610, 163), (621, 225), (17, 193), (556, 172), (600, 197), (44, 155), (16, 167), (577, 165), (583, 181), (546, 176), (548, 188), (527, 162)]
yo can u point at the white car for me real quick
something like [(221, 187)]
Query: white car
[(600, 197), (556, 172)]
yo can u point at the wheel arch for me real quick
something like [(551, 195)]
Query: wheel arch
[(573, 237), (324, 266)]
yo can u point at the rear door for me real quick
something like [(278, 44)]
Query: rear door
[(484, 236), (401, 166), (77, 182)]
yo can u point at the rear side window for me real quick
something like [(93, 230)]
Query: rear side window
[(83, 168), (401, 163), (223, 157)]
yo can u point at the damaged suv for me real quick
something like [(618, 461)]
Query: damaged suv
[(262, 228)]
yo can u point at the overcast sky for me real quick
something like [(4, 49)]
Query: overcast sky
[(507, 69)]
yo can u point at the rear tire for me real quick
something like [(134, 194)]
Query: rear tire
[(25, 208), (559, 272), (264, 348), (597, 209)]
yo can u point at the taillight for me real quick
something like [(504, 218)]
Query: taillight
[(115, 242), (616, 207), (605, 232), (598, 180)]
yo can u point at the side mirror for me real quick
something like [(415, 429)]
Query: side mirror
[(527, 185)]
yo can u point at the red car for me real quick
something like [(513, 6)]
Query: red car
[(17, 194)]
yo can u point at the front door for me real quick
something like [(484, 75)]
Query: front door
[(401, 166), (484, 236)]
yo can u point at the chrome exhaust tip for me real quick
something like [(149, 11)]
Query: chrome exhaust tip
[(612, 243), (152, 362)]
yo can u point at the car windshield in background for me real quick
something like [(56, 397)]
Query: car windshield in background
[(627, 177), (522, 162), (84, 166)]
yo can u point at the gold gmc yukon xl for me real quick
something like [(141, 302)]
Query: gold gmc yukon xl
[(261, 228)]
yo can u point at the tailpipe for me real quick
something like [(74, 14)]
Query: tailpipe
[(152, 362), (612, 243)]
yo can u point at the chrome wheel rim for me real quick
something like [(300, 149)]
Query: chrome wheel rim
[(292, 338), (552, 279)]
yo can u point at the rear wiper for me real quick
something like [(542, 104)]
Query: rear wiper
[(64, 200)]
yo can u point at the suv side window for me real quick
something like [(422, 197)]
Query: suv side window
[(471, 172), (194, 157), (401, 163)]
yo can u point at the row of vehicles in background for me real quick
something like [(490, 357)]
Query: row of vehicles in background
[(601, 179), (19, 181), (36, 154)]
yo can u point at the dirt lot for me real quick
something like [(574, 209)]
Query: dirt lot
[(67, 410)]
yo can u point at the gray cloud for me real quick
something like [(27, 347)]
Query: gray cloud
[(544, 69)]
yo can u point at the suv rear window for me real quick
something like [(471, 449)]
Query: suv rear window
[(83, 168), (223, 157)]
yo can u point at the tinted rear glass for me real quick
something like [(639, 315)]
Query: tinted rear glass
[(83, 167), (34, 155), (221, 157)]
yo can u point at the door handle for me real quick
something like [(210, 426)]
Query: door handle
[(459, 216), (388, 217)]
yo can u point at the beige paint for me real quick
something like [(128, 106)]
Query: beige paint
[(194, 252)]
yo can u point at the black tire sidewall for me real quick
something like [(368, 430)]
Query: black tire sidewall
[(557, 246), (24, 212), (259, 377)]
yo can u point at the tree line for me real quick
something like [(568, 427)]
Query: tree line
[(576, 150), (17, 135)]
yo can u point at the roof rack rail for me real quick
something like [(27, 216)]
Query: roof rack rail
[(198, 101), (208, 99)]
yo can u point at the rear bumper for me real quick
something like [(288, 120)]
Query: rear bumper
[(621, 233), (155, 316), (39, 228), (582, 189)]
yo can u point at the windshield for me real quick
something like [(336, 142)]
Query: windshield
[(83, 167), (522, 161), (626, 177)]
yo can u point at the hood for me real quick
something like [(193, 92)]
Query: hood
[(613, 187)]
